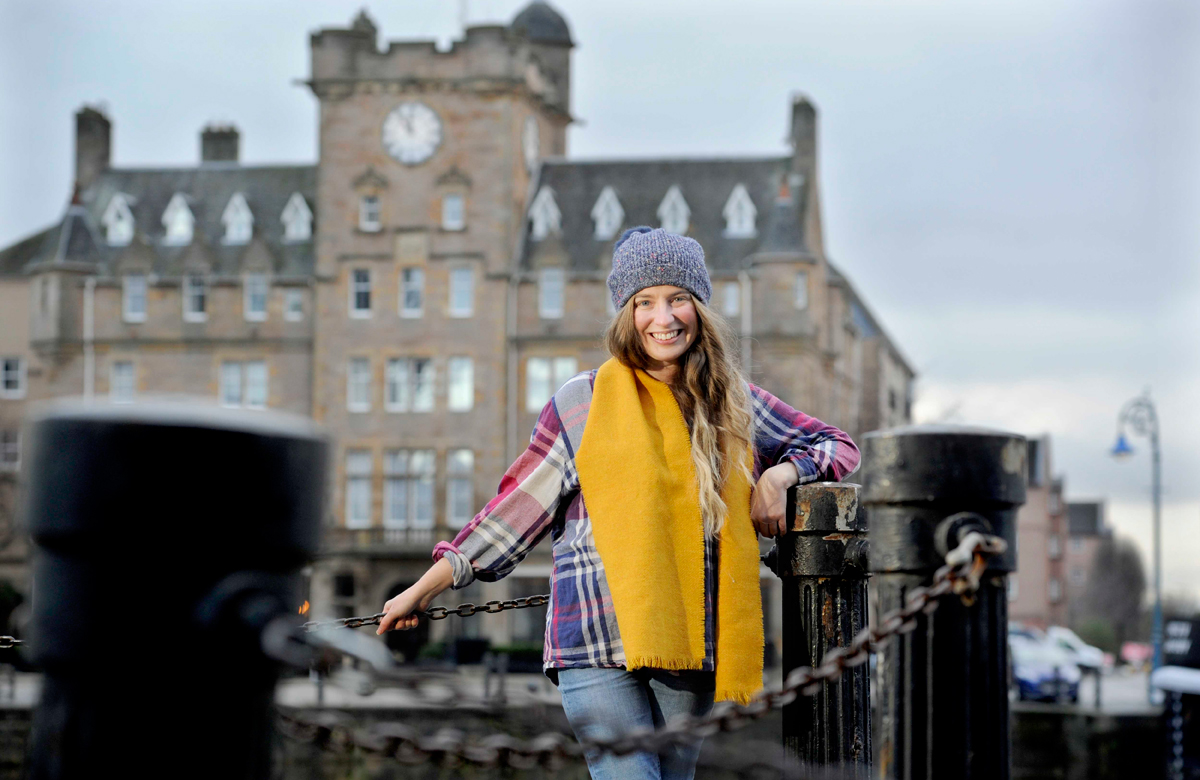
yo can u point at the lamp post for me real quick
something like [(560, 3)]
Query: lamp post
[(1140, 417)]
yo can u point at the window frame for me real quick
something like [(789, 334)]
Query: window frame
[(116, 383), (10, 445), (357, 477), (356, 312), (248, 295), (20, 373), (460, 477), (127, 314), (460, 272), (454, 225), (352, 405), (548, 279), (195, 284), (289, 297), (731, 291), (465, 375), (405, 286), (248, 387), (801, 299), (369, 222)]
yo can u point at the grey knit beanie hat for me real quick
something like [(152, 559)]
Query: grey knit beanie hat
[(645, 257)]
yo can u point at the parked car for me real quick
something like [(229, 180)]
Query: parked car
[(1086, 656), (1041, 671)]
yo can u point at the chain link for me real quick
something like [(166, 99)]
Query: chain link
[(959, 576), (434, 613), (9, 641)]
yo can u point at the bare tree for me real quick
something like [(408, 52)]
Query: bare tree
[(1116, 588)]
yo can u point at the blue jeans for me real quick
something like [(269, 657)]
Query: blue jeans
[(613, 701)]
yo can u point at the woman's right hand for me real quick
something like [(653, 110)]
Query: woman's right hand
[(401, 610)]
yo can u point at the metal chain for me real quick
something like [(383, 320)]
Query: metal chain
[(436, 613), (959, 576), (9, 641)]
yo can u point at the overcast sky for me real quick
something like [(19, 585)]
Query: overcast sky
[(1014, 187)]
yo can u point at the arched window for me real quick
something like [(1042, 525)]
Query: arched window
[(178, 221), (297, 219), (118, 221)]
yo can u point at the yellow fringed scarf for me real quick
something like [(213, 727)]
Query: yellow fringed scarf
[(639, 486)]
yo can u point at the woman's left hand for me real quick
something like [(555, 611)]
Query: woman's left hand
[(768, 504)]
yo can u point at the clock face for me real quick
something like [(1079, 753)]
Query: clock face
[(529, 142), (412, 133)]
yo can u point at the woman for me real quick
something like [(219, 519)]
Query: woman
[(641, 473)]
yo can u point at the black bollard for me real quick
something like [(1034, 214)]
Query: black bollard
[(943, 688), (166, 537), (822, 561)]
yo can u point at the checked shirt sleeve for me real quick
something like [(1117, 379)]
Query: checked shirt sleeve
[(820, 452), (512, 523)]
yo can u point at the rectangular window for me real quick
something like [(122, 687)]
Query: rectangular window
[(244, 384), (231, 384), (550, 293), (293, 307), (543, 377), (1055, 590), (134, 297), (195, 298), (609, 306), (10, 450), (1078, 575), (1054, 547), (453, 217), (358, 488), (801, 292), (408, 499), (12, 378), (412, 292), (121, 382), (460, 487), (462, 293), (254, 297), (1077, 545), (1013, 587), (731, 299), (255, 396), (409, 386), (369, 214), (360, 292), (461, 394), (358, 385)]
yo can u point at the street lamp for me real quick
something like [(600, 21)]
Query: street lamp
[(1139, 417)]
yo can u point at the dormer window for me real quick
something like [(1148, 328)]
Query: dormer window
[(739, 213), (607, 214), (178, 221), (673, 213), (297, 219), (238, 221), (118, 221), (544, 214), (369, 216)]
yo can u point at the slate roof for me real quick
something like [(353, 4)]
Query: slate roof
[(542, 24), (207, 189), (706, 185)]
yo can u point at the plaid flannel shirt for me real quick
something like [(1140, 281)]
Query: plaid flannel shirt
[(539, 495)]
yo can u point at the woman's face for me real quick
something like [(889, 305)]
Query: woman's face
[(665, 318)]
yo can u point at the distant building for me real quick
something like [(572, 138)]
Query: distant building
[(421, 290), (1036, 593), (1086, 530)]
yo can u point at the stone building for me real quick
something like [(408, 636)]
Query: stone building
[(1037, 592), (421, 290), (1086, 531)]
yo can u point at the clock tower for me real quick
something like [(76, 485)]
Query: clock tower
[(425, 162)]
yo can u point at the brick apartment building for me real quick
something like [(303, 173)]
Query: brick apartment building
[(421, 290), (1086, 531), (1037, 592)]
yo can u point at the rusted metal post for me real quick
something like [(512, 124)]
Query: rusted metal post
[(822, 561), (167, 537), (943, 688)]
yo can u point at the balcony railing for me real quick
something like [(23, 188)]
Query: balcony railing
[(379, 539)]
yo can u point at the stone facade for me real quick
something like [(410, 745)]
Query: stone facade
[(415, 318)]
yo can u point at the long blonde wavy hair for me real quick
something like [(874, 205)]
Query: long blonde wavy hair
[(712, 395)]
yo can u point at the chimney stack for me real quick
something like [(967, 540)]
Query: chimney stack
[(219, 143), (93, 145), (803, 135)]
